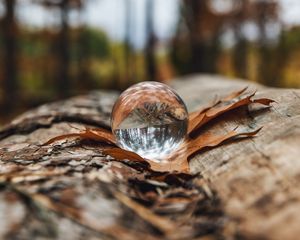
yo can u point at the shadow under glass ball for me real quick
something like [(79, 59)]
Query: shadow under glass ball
[(149, 119)]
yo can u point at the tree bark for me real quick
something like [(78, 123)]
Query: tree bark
[(70, 190)]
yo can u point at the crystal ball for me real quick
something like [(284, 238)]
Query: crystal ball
[(150, 119)]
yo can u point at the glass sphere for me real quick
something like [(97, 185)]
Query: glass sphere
[(150, 119)]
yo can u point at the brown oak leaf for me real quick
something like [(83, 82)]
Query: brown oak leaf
[(199, 118), (178, 162), (97, 134)]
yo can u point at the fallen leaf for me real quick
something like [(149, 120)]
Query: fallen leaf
[(264, 101), (171, 165), (192, 146), (99, 134), (234, 100), (209, 140), (196, 114), (177, 163), (235, 94), (122, 154), (156, 166)]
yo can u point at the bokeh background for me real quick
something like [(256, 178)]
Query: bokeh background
[(52, 49)]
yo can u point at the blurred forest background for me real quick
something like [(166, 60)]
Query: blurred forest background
[(51, 49)]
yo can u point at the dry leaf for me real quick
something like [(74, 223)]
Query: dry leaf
[(177, 163), (209, 140), (235, 94), (122, 154), (198, 114), (264, 101), (199, 118), (171, 165), (99, 134)]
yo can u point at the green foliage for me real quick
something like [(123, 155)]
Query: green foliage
[(95, 43), (292, 38), (32, 45)]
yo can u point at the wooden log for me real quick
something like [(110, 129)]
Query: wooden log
[(70, 190)]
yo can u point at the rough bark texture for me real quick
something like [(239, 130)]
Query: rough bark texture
[(243, 190)]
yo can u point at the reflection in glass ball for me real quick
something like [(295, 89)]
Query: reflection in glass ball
[(149, 119)]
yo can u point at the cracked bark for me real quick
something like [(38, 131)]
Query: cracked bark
[(243, 190)]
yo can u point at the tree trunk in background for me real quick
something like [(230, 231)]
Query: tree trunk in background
[(197, 59), (127, 44), (240, 50), (10, 61), (84, 76), (240, 55), (63, 53), (267, 11), (282, 58), (178, 50), (203, 38), (265, 54), (214, 47), (151, 71)]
